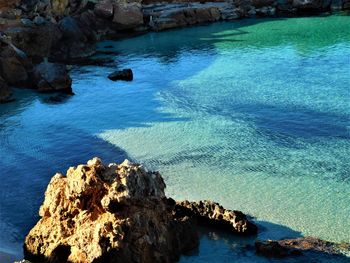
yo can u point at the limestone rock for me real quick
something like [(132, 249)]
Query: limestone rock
[(115, 213), (212, 214), (119, 213)]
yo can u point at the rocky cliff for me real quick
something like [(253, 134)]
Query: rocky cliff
[(119, 213)]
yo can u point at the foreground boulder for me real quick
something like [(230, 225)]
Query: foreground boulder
[(51, 77), (114, 213)]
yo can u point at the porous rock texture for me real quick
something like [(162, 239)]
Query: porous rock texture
[(209, 213), (117, 213)]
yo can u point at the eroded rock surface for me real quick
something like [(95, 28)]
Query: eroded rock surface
[(209, 213), (117, 213)]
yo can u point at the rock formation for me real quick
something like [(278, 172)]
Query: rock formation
[(119, 213), (208, 213)]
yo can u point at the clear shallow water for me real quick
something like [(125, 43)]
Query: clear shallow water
[(254, 114)]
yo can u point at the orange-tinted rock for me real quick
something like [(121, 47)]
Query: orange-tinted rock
[(115, 213)]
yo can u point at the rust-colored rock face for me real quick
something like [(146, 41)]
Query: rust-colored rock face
[(115, 213)]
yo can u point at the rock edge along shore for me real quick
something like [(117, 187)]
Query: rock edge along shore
[(119, 213), (33, 32)]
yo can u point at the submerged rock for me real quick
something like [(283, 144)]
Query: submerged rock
[(125, 74), (117, 213), (298, 246)]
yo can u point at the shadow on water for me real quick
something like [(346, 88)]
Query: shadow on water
[(294, 122)]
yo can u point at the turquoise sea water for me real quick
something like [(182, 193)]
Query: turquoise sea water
[(254, 114)]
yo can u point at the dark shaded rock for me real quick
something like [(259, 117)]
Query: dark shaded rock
[(308, 5), (212, 214), (50, 77), (70, 29), (35, 41), (13, 71), (261, 3), (127, 15), (5, 91), (125, 74), (104, 9), (298, 247), (271, 249)]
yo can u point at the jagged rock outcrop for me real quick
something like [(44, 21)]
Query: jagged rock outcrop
[(118, 213), (212, 214)]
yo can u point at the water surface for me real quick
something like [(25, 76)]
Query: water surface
[(254, 114)]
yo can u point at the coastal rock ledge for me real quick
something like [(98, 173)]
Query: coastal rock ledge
[(119, 213)]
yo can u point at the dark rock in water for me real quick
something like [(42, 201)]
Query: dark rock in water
[(5, 91), (50, 77), (298, 247), (211, 214), (271, 249), (59, 98), (125, 74)]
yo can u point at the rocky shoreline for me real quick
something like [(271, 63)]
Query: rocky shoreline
[(120, 213), (38, 37)]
